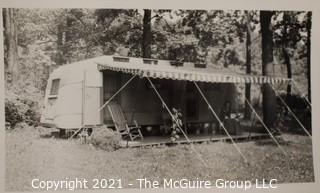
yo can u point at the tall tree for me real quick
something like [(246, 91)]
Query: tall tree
[(287, 39), (72, 35), (247, 114), (120, 28), (60, 42), (11, 42), (309, 23), (269, 99), (147, 34), (198, 31), (285, 50)]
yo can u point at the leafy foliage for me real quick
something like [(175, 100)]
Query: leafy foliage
[(286, 122), (176, 124), (120, 29), (48, 38), (21, 107), (105, 138)]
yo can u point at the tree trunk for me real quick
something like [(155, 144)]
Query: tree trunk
[(64, 36), (309, 23), (147, 34), (269, 99), (11, 43), (247, 114), (285, 52), (68, 38), (60, 34), (289, 73)]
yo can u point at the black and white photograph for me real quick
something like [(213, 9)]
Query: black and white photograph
[(105, 98)]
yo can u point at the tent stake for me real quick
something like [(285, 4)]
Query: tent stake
[(214, 113), (292, 113), (185, 135)]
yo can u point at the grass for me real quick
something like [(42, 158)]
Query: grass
[(30, 156)]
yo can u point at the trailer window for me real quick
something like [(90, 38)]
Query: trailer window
[(55, 87)]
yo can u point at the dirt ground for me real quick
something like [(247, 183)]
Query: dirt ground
[(30, 156)]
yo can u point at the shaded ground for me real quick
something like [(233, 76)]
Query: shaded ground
[(29, 156)]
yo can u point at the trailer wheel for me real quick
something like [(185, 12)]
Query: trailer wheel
[(89, 130), (62, 133)]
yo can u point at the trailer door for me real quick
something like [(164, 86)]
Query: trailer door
[(92, 98)]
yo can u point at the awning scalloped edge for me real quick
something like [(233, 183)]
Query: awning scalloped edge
[(197, 76)]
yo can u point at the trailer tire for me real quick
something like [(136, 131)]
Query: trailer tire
[(62, 133), (89, 130)]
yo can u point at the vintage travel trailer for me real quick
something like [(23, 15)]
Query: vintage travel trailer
[(76, 93)]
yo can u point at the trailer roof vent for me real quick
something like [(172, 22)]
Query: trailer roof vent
[(120, 59), (176, 63), (150, 61), (200, 65)]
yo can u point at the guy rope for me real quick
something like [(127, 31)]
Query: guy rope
[(106, 103), (115, 94), (273, 138), (166, 107), (292, 113), (303, 95), (214, 113)]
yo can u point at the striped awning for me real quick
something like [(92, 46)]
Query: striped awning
[(186, 73)]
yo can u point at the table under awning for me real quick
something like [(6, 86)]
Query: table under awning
[(210, 74)]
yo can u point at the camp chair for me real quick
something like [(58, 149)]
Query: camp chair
[(121, 123)]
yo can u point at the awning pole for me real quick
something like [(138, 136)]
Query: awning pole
[(305, 98), (264, 125), (214, 113), (115, 94), (185, 135), (292, 113)]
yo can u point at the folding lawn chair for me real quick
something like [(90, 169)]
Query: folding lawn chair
[(121, 124)]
